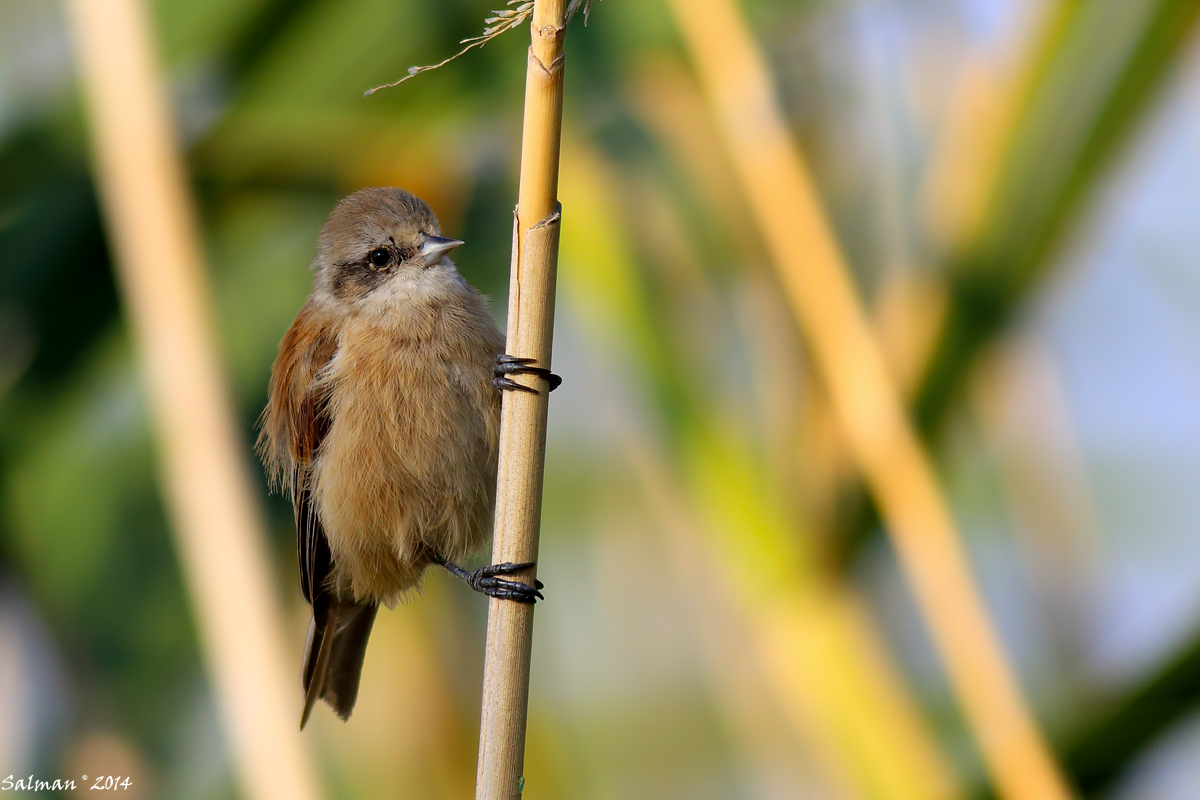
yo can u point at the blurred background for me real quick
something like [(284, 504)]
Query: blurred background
[(1014, 184)]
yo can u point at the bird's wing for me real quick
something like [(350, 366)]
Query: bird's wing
[(294, 424), (312, 548)]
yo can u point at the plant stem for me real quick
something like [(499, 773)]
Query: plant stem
[(216, 521), (523, 416)]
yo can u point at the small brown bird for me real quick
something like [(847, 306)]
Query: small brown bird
[(382, 424)]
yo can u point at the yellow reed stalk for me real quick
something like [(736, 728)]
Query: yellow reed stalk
[(523, 415), (217, 524), (981, 116), (812, 650), (865, 399)]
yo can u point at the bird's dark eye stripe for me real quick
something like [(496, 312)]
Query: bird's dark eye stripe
[(379, 257)]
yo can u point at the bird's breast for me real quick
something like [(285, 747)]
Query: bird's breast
[(410, 457)]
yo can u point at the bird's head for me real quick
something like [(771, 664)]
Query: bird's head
[(376, 236)]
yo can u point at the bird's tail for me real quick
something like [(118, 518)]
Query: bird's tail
[(337, 643)]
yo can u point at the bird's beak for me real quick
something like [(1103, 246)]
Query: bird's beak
[(435, 247)]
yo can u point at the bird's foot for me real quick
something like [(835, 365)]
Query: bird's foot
[(487, 580), (511, 365)]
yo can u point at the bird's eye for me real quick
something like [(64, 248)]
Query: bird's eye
[(379, 257)]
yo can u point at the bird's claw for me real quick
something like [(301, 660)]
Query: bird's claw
[(511, 365), (487, 581)]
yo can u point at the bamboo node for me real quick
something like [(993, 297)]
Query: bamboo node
[(555, 216), (549, 31), (555, 66), (552, 220)]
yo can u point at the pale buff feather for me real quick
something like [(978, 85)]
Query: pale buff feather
[(409, 462)]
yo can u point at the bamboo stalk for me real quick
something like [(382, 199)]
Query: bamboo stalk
[(523, 415), (882, 440), (217, 525)]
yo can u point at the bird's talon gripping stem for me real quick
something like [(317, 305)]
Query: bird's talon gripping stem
[(511, 365), (487, 580)]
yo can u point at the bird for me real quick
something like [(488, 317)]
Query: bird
[(382, 425)]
